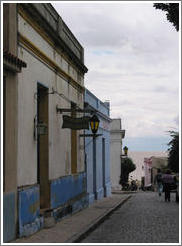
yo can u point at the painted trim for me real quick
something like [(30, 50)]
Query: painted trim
[(97, 99), (43, 34), (102, 115), (42, 84), (28, 44), (34, 25)]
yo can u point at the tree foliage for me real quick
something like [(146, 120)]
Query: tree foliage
[(127, 166), (172, 14), (173, 152)]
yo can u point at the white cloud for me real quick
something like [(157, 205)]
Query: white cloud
[(131, 51)]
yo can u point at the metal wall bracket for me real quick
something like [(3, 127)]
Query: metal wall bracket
[(79, 110)]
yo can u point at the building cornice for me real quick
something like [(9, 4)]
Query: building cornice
[(57, 33), (104, 116), (35, 50), (122, 132), (12, 62)]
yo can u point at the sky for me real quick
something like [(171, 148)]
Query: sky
[(132, 55)]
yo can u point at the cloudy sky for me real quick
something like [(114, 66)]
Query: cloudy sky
[(132, 53)]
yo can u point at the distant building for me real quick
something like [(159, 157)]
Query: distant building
[(150, 168), (148, 171), (158, 163), (117, 134), (44, 168), (138, 159), (97, 151)]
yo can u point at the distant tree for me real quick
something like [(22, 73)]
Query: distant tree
[(127, 166), (173, 152), (172, 14)]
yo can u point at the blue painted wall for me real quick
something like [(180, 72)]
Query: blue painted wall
[(102, 174), (9, 226), (62, 190), (66, 188), (30, 220)]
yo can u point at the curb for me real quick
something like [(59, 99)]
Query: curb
[(124, 192), (80, 236)]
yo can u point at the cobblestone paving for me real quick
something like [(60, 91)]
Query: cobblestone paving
[(144, 218)]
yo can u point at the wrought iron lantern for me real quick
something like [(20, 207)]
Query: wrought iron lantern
[(94, 123), (125, 150), (41, 128)]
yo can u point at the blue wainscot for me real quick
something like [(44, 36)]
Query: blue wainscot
[(9, 225), (68, 195), (30, 220)]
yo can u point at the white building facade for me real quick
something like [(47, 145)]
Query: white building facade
[(116, 135)]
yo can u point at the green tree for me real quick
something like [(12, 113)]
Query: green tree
[(173, 152), (172, 14), (127, 166)]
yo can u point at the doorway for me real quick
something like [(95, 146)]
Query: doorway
[(43, 147)]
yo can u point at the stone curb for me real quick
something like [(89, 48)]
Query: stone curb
[(80, 236), (124, 192)]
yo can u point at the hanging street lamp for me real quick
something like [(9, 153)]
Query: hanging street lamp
[(94, 123)]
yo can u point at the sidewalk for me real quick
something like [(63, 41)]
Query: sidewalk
[(72, 228)]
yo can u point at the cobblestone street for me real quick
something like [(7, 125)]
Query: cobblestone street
[(144, 218)]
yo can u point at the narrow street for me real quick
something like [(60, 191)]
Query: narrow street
[(90, 122), (144, 218)]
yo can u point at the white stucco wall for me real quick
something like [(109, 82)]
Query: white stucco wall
[(115, 153), (115, 163), (59, 139)]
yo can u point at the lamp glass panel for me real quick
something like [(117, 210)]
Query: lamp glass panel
[(92, 125), (96, 125)]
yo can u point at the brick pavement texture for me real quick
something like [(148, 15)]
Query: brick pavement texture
[(144, 218)]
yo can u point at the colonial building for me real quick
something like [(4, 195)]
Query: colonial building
[(97, 151), (117, 134), (44, 168)]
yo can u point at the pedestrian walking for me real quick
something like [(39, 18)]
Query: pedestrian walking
[(158, 180), (176, 184), (168, 181)]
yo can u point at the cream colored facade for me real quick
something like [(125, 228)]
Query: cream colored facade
[(49, 66), (44, 167)]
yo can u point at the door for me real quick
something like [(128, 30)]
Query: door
[(4, 129), (42, 148)]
